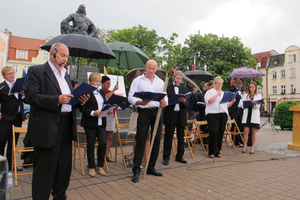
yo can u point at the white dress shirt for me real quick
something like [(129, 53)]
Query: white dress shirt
[(215, 107), (141, 83), (176, 90), (64, 86)]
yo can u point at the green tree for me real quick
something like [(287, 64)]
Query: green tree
[(218, 55), (154, 46)]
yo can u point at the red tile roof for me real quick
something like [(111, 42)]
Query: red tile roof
[(263, 57), (21, 43)]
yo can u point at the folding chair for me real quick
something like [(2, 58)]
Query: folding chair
[(78, 146), (200, 134), (18, 150), (188, 139), (120, 142), (228, 133)]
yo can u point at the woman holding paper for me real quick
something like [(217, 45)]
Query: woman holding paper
[(95, 125), (251, 115), (216, 115), (110, 119)]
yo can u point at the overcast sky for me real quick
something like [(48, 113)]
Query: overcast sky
[(262, 25)]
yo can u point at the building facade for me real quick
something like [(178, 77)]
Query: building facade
[(25, 52), (283, 72)]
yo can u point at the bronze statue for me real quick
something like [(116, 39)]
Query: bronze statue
[(80, 23)]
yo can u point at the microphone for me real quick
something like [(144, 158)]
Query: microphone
[(220, 89), (54, 56)]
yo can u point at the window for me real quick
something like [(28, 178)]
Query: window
[(274, 89), (22, 54), (275, 62), (259, 90), (293, 74), (46, 56), (293, 89), (282, 73), (283, 89), (16, 67), (26, 69), (292, 58), (274, 73)]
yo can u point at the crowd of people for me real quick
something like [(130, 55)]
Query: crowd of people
[(47, 88)]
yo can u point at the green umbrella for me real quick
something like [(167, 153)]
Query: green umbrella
[(127, 56)]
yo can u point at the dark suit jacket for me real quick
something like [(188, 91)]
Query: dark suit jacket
[(88, 121), (233, 110), (41, 92), (10, 104), (169, 110)]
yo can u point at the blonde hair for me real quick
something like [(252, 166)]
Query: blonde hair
[(218, 78), (95, 76), (209, 83), (6, 68)]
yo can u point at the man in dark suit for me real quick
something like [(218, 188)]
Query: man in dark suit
[(236, 110), (52, 124), (175, 116), (12, 112)]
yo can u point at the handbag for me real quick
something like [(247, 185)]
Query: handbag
[(129, 160)]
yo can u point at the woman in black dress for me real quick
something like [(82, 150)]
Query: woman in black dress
[(251, 115)]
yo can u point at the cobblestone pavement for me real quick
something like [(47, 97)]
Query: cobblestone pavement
[(271, 173)]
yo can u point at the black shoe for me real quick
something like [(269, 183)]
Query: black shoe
[(165, 162), (135, 178), (154, 172), (181, 160)]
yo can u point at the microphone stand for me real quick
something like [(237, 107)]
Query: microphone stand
[(272, 125)]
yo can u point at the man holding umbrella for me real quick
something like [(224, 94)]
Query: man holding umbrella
[(52, 124), (236, 110), (147, 115)]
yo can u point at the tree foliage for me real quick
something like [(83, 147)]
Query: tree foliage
[(218, 55), (283, 117)]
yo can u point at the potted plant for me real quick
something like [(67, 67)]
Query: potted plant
[(283, 117)]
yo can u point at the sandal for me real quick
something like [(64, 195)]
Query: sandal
[(108, 159)]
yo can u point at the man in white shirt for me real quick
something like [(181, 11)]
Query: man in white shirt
[(147, 114)]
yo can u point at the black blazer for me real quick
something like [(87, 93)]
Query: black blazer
[(234, 108), (10, 104), (169, 110), (41, 92), (88, 121)]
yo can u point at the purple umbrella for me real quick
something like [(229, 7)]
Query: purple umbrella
[(245, 72)]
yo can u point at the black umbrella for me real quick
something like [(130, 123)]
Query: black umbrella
[(198, 74), (82, 46)]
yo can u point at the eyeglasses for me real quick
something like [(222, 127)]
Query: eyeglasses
[(10, 74)]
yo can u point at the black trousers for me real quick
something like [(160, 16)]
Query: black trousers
[(216, 123), (52, 166), (168, 140), (91, 135), (6, 136), (145, 119)]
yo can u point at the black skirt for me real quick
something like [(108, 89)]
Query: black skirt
[(248, 121)]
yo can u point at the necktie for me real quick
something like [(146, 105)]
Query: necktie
[(176, 85)]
